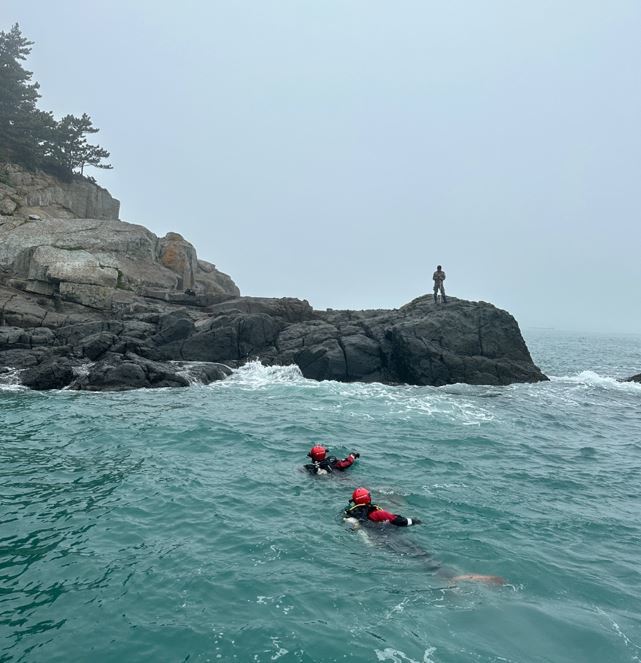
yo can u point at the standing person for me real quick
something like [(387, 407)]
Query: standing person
[(439, 277)]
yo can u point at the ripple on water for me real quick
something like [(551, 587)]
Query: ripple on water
[(175, 525)]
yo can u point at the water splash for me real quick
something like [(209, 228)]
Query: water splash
[(10, 380), (254, 375), (591, 379)]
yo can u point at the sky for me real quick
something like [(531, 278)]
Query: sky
[(337, 151)]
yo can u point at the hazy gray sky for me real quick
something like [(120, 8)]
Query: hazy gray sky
[(338, 150)]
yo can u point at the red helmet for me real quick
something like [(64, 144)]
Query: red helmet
[(317, 453), (361, 496)]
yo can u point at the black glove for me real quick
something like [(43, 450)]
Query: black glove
[(355, 454), (416, 521)]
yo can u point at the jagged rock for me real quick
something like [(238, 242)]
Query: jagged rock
[(77, 198), (7, 205), (60, 237), (94, 346), (421, 343), (54, 373), (634, 378), (118, 373), (18, 358), (202, 372), (109, 253), (21, 312), (180, 257), (209, 279), (288, 308), (92, 296), (54, 265), (101, 290), (14, 338)]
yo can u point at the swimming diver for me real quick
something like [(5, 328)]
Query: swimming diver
[(362, 511), (324, 464)]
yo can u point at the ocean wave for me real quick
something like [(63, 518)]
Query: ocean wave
[(255, 375), (594, 380), (10, 380), (399, 400)]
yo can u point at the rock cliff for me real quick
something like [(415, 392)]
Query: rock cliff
[(23, 192), (97, 303), (91, 261)]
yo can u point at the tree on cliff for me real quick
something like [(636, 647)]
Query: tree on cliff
[(69, 146), (23, 128), (33, 137)]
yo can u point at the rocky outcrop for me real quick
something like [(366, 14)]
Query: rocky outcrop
[(23, 192), (64, 239), (91, 302), (152, 343), (93, 262), (634, 378)]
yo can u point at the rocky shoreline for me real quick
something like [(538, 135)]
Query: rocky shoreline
[(149, 343), (100, 304)]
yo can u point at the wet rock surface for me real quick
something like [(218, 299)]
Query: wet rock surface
[(146, 342), (100, 304)]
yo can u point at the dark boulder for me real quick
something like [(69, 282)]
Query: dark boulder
[(233, 336), (202, 372), (634, 378), (324, 361), (95, 345), (142, 344), (287, 309), (120, 373), (54, 373), (21, 357)]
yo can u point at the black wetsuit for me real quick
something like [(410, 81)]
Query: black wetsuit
[(374, 514), (330, 464)]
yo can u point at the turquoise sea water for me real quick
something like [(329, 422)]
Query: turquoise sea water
[(176, 525)]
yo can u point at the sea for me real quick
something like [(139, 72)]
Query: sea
[(179, 525)]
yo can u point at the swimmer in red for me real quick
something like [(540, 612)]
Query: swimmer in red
[(363, 510), (324, 464)]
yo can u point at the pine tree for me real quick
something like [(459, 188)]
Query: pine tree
[(23, 128), (69, 147), (33, 137)]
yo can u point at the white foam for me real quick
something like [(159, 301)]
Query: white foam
[(397, 656), (10, 380), (255, 375), (82, 370), (190, 370), (592, 379), (617, 629), (402, 401)]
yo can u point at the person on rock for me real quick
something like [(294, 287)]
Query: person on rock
[(324, 464), (439, 277), (362, 510)]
